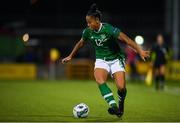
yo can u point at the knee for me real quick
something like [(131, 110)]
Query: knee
[(121, 85), (99, 80), (100, 76)]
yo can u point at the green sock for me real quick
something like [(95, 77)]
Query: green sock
[(107, 95)]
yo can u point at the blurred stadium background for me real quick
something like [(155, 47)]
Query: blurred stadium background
[(36, 34)]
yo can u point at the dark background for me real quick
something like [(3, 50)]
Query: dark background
[(71, 14), (59, 23)]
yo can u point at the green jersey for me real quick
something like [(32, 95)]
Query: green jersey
[(104, 41)]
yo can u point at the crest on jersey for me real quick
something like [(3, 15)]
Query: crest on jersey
[(103, 36)]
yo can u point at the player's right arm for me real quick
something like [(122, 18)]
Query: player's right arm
[(78, 45)]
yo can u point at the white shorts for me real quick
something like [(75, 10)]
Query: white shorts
[(111, 66)]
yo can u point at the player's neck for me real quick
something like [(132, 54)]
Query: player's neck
[(99, 27)]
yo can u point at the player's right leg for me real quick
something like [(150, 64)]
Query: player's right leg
[(100, 73)]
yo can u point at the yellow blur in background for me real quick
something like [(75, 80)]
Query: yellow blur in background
[(18, 71), (54, 54), (77, 67)]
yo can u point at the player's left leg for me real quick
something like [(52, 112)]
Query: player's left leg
[(119, 78), (118, 73)]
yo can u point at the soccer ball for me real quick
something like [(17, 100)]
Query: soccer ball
[(81, 111)]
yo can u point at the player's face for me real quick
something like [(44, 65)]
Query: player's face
[(160, 39), (92, 22)]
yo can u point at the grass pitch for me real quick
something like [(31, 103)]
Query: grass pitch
[(51, 101)]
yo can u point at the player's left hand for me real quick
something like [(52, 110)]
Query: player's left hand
[(144, 54)]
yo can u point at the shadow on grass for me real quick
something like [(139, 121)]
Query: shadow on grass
[(56, 118)]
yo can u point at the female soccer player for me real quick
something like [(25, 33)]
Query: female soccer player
[(159, 56), (109, 57)]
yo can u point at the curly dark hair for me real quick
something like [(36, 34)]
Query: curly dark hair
[(93, 11)]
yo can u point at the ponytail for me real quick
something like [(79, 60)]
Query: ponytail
[(93, 11)]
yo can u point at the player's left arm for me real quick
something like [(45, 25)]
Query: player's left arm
[(143, 54)]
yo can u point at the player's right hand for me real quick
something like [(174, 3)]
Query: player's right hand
[(67, 59)]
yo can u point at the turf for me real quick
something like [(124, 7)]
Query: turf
[(51, 101)]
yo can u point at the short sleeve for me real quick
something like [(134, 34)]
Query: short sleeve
[(85, 35), (115, 32)]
